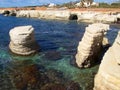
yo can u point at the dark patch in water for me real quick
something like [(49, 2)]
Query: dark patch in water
[(26, 76), (53, 55)]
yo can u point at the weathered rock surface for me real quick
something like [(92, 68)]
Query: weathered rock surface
[(23, 41), (107, 18), (55, 14), (108, 76), (90, 46), (28, 13), (84, 16), (46, 14), (12, 13)]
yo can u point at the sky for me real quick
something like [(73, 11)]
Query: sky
[(20, 3)]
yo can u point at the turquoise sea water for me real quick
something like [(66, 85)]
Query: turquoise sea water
[(58, 41)]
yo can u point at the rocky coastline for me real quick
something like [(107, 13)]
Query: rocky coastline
[(80, 16), (108, 77)]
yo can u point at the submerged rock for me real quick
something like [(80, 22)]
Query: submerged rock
[(52, 86), (53, 55), (55, 76), (108, 76), (27, 77), (90, 46), (57, 86), (23, 40), (73, 86)]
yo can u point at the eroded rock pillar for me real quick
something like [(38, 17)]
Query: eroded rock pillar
[(90, 46), (23, 41)]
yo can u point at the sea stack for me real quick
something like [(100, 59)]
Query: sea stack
[(23, 41), (91, 45), (108, 76)]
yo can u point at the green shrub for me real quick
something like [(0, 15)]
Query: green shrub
[(115, 5), (106, 5)]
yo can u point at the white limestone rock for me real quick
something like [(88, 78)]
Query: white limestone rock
[(23, 13), (108, 76), (55, 14), (90, 46), (23, 41), (105, 18), (116, 48), (28, 13)]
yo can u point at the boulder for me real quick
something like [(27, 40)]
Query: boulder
[(90, 46), (23, 41), (108, 76)]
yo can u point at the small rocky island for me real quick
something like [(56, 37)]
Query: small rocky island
[(23, 41), (91, 45)]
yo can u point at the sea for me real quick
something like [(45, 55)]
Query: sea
[(53, 67)]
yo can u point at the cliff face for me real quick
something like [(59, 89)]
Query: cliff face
[(108, 76), (23, 41), (47, 14), (84, 16), (90, 46)]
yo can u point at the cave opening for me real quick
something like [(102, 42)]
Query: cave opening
[(73, 17), (118, 20)]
